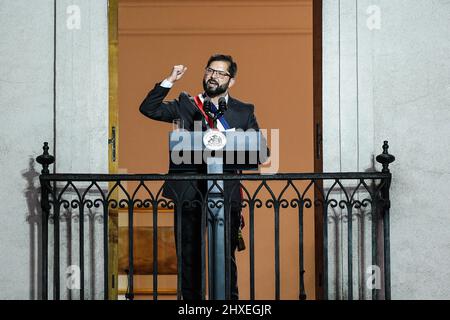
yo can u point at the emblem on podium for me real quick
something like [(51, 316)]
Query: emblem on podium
[(214, 140)]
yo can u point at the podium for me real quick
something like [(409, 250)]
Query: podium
[(215, 152)]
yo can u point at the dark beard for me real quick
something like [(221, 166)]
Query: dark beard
[(219, 89)]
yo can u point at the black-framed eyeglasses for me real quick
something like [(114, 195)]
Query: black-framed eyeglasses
[(220, 74)]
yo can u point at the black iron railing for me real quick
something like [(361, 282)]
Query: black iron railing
[(353, 196)]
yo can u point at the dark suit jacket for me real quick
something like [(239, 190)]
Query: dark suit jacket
[(238, 115)]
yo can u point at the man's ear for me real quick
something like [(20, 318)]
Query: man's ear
[(232, 81)]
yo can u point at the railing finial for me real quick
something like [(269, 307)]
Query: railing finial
[(45, 159), (385, 158)]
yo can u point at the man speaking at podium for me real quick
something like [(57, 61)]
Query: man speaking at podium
[(219, 77)]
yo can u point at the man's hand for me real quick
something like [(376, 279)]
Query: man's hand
[(177, 73)]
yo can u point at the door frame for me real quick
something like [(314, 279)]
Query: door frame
[(113, 45), (113, 145), (318, 145)]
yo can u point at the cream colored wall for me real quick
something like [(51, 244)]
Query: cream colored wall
[(76, 123), (391, 69), (272, 44)]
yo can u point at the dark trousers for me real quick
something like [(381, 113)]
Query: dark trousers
[(191, 282)]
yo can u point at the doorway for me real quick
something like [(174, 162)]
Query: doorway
[(273, 43)]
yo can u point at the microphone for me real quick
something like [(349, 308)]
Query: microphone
[(209, 112), (207, 108), (222, 104)]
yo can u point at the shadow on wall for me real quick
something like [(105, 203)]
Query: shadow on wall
[(363, 235), (33, 217), (69, 222)]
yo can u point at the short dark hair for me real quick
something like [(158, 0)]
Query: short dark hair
[(232, 66)]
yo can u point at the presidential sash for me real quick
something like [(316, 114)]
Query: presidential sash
[(222, 123)]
